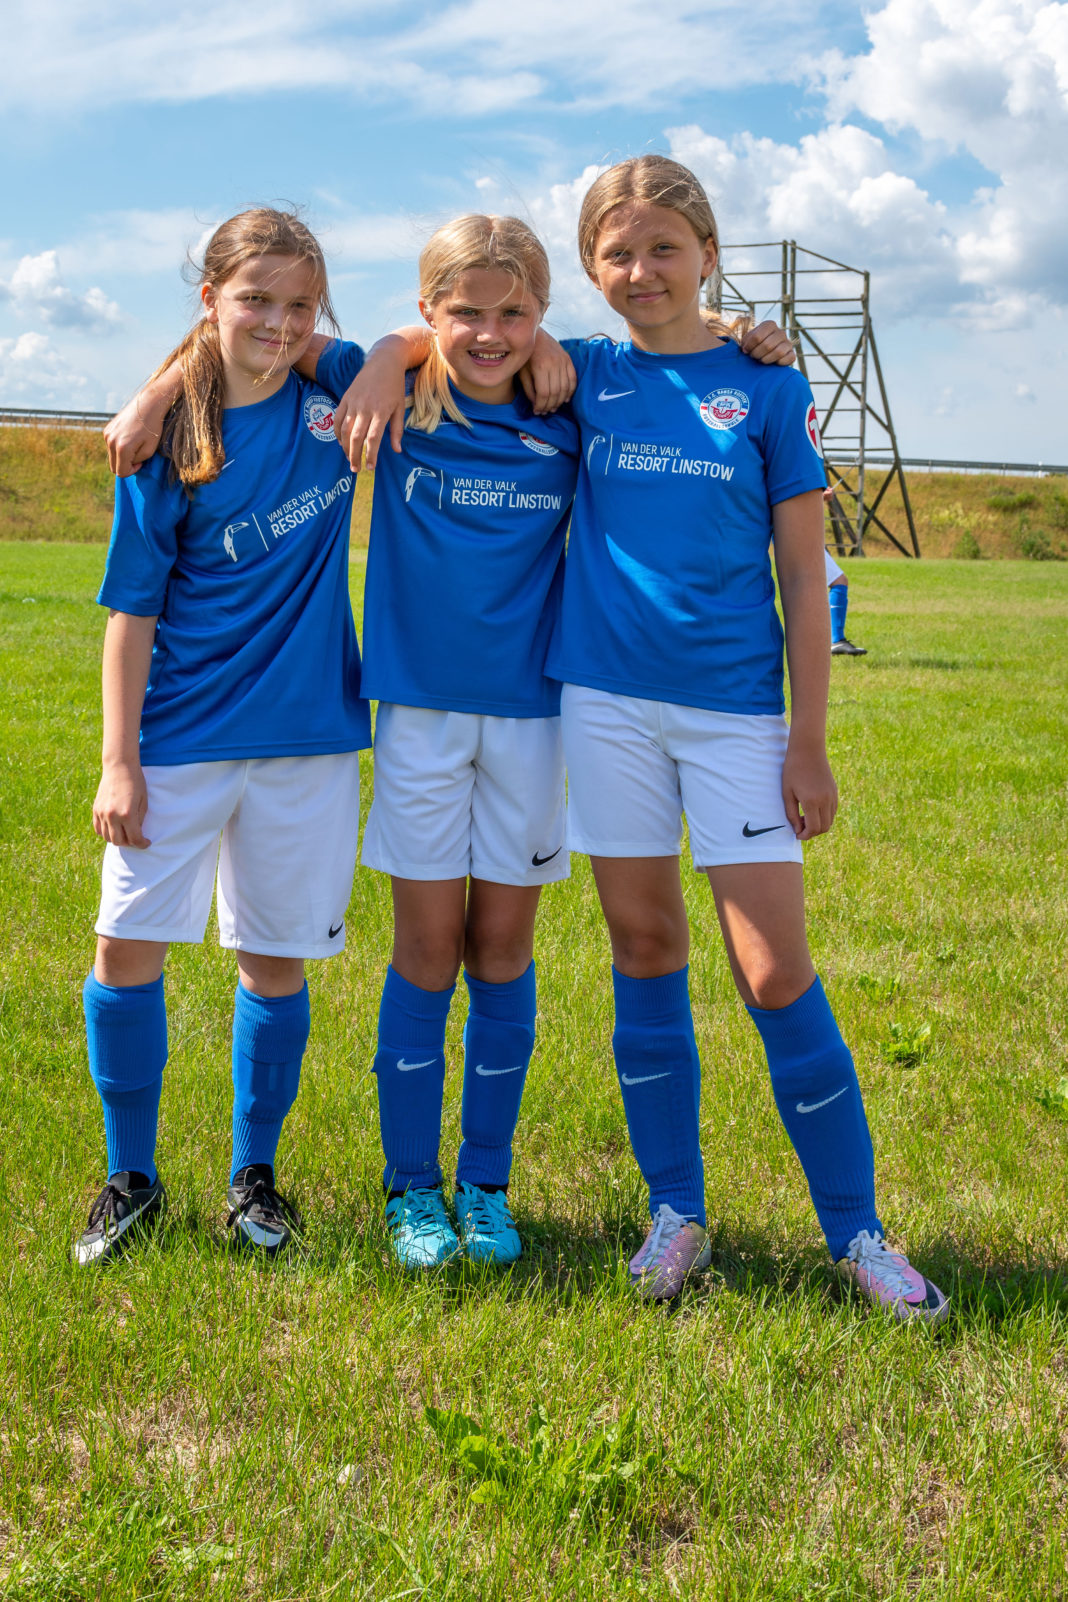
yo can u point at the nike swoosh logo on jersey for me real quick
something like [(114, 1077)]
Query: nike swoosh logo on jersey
[(751, 834), (539, 862), (816, 1105), (614, 394), (491, 1073), (642, 1079), (406, 1067)]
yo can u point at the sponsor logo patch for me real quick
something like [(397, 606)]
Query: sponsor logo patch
[(319, 416), (541, 446), (725, 408), (812, 429)]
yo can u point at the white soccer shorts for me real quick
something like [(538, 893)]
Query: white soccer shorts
[(635, 766), (460, 793), (831, 568), (282, 832)]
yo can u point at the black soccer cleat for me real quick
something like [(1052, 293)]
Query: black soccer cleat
[(118, 1214), (260, 1218), (847, 648)]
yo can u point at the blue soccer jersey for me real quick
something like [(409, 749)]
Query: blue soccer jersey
[(668, 593), (255, 652), (465, 566)]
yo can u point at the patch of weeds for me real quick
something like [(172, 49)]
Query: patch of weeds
[(1035, 544), (946, 953), (879, 989), (1012, 500), (1055, 1101), (601, 1471), (1056, 510), (906, 1045), (967, 548)]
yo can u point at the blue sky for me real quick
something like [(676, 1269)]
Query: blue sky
[(922, 140)]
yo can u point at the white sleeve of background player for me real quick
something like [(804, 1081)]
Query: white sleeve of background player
[(793, 451), (144, 541)]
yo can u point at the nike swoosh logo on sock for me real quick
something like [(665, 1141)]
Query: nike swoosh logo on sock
[(816, 1105), (643, 1079), (406, 1067), (490, 1073)]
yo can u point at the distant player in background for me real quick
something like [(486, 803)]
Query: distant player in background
[(232, 717), (838, 596)]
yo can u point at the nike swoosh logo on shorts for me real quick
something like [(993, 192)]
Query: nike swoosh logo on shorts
[(406, 1067), (615, 394), (539, 862), (335, 932), (643, 1079), (751, 834), (816, 1105), (491, 1073)]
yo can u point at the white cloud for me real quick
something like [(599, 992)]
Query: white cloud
[(33, 372), (989, 78), (35, 290), (454, 59)]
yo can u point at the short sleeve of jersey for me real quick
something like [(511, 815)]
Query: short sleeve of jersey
[(790, 440), (144, 540), (579, 351), (338, 365)]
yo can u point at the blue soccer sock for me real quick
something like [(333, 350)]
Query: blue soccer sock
[(410, 1067), (660, 1078), (838, 595), (126, 1031), (818, 1096), (498, 1041), (270, 1035)]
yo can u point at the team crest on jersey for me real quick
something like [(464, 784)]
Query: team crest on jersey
[(543, 448), (319, 416), (725, 408), (812, 429)]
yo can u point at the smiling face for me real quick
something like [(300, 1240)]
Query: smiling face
[(485, 325), (265, 313), (649, 264)]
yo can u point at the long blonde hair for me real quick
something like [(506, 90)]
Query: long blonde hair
[(467, 244), (659, 181), (192, 432)]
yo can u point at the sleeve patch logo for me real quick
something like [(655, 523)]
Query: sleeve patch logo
[(725, 408), (812, 429), (541, 446), (319, 416)]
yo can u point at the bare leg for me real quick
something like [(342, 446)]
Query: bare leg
[(270, 976), (122, 963), (499, 939), (761, 909), (641, 898), (428, 930)]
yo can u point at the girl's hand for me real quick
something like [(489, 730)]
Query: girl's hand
[(120, 805), (767, 342), (549, 377), (375, 398), (133, 434), (808, 790)]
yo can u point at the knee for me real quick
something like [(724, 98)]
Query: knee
[(647, 946), (122, 963), (429, 958), (497, 957), (772, 986)]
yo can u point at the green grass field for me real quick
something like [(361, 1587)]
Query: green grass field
[(188, 1425)]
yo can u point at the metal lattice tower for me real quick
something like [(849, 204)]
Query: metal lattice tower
[(837, 353)]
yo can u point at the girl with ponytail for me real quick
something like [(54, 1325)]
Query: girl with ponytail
[(232, 716)]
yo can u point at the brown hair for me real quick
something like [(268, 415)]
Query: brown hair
[(467, 244), (192, 432), (659, 181)]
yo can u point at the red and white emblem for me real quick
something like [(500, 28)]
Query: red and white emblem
[(812, 429), (540, 446), (725, 408), (319, 416)]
